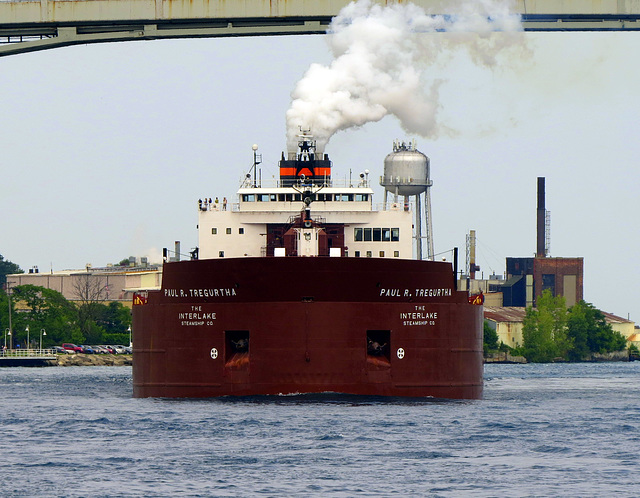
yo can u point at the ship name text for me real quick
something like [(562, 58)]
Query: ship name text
[(418, 316), (430, 292), (196, 317), (221, 292)]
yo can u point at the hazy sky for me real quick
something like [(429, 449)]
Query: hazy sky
[(105, 149)]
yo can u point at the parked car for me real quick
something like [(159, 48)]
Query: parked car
[(120, 349), (61, 350), (110, 349), (100, 350), (87, 349), (72, 347)]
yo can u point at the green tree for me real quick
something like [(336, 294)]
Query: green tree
[(7, 268), (490, 342), (544, 330), (45, 309), (590, 332)]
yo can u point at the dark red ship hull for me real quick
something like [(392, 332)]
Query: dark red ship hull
[(256, 326)]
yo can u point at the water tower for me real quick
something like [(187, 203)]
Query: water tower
[(406, 173)]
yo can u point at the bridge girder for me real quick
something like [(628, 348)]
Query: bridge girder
[(31, 25)]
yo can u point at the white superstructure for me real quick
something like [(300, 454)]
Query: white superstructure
[(304, 215)]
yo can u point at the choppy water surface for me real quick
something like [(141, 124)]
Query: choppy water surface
[(541, 430)]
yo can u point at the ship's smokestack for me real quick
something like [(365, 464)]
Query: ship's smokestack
[(177, 250), (541, 217)]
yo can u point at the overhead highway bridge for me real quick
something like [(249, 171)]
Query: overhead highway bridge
[(31, 25)]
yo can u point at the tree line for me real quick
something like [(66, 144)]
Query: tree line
[(88, 320), (553, 332)]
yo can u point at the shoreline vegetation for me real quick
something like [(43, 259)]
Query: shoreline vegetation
[(507, 357)]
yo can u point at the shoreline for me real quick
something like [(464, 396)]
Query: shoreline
[(91, 360)]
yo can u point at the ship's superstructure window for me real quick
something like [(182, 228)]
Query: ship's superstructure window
[(221, 254), (362, 197), (376, 234), (369, 254), (214, 231), (248, 197), (382, 254), (262, 197), (228, 231), (357, 254), (241, 231), (396, 254)]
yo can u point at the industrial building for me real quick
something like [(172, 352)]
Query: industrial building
[(106, 284), (527, 278)]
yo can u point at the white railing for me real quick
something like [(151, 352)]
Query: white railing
[(27, 353)]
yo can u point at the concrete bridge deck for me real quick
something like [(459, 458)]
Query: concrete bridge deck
[(31, 25)]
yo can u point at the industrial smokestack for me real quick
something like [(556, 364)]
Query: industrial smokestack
[(541, 217)]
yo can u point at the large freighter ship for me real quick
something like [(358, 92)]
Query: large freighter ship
[(307, 286)]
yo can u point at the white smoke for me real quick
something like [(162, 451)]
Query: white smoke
[(381, 57)]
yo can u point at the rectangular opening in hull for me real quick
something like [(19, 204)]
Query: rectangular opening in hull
[(379, 347), (236, 349)]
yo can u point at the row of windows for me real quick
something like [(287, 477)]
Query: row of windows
[(369, 254), (376, 234), (214, 231), (298, 197)]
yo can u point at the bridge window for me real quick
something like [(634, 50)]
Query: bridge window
[(376, 234), (248, 197), (362, 197), (263, 197)]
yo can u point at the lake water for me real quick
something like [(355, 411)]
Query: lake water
[(541, 430)]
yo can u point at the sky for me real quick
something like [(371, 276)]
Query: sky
[(106, 148)]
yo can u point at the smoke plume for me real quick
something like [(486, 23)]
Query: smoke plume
[(381, 59)]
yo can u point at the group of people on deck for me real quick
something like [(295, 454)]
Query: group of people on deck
[(207, 204)]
